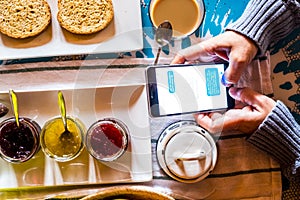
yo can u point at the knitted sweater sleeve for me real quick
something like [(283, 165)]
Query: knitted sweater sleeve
[(279, 136), (268, 21)]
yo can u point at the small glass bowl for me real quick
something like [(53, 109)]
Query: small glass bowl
[(59, 148), (19, 144), (107, 139)]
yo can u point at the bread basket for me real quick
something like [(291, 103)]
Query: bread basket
[(129, 192)]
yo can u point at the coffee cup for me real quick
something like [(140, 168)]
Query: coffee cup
[(185, 16)]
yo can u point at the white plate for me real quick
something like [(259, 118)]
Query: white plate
[(126, 103), (123, 34)]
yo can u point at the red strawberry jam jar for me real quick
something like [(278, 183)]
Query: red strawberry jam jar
[(107, 139)]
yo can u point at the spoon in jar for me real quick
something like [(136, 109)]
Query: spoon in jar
[(163, 36), (14, 102), (3, 110), (66, 135)]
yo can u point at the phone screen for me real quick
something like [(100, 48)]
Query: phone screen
[(186, 89)]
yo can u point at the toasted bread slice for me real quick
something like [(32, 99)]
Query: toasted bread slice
[(84, 17), (24, 18)]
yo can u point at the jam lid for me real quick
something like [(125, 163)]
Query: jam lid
[(186, 152)]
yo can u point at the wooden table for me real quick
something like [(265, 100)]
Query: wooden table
[(242, 171)]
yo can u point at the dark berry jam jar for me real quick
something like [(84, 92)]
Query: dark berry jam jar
[(19, 143), (107, 139)]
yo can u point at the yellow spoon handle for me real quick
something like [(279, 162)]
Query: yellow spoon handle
[(14, 102), (62, 107)]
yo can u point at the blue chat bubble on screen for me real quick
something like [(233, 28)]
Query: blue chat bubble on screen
[(171, 82), (212, 82)]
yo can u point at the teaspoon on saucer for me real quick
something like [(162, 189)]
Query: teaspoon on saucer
[(163, 36)]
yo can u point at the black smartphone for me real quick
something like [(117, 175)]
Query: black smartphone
[(182, 89)]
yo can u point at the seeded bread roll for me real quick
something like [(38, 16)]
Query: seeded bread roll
[(24, 18), (84, 17)]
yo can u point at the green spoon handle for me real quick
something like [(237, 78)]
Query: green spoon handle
[(14, 102)]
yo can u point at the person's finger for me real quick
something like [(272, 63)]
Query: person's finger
[(188, 54), (241, 52), (245, 95), (212, 122), (226, 51), (238, 62), (199, 52), (178, 59), (233, 73), (215, 115), (252, 98), (222, 54)]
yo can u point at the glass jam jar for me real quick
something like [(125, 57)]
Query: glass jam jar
[(19, 143), (107, 139), (62, 148)]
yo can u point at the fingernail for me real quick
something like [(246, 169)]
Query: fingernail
[(225, 82), (232, 91)]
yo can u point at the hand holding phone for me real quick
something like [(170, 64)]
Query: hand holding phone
[(181, 89)]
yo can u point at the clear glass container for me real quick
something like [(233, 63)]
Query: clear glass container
[(62, 148), (107, 139), (19, 144)]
